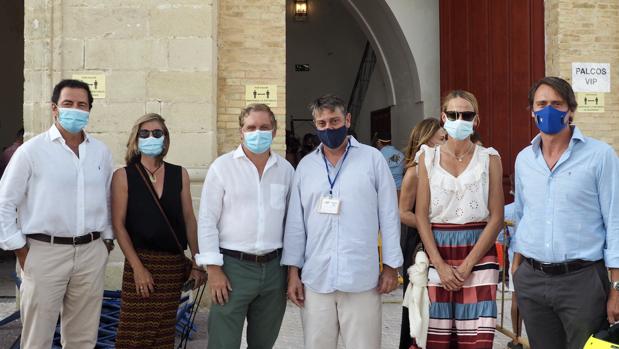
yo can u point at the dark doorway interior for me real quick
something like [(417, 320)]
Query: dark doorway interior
[(380, 121), (11, 100)]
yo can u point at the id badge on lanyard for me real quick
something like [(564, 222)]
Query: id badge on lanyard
[(327, 203)]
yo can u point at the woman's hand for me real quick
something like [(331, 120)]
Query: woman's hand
[(144, 283), (449, 278), (199, 275), (463, 271)]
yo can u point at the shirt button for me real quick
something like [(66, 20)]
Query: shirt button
[(547, 245), (547, 222)]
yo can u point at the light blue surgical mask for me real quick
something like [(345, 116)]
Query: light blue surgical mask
[(459, 129), (72, 120), (258, 141), (151, 146)]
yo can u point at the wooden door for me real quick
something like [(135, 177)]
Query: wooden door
[(495, 49)]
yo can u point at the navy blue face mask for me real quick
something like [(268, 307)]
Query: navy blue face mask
[(550, 120), (333, 138)]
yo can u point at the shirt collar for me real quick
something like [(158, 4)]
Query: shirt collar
[(54, 134), (576, 136), (239, 153)]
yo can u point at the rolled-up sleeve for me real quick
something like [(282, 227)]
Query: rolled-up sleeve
[(608, 189), (294, 232), (13, 188), (388, 215), (211, 203)]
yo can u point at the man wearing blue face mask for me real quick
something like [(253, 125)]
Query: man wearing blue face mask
[(342, 195), (54, 213), (567, 205), (240, 235)]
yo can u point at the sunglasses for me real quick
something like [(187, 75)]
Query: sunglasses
[(146, 133), (466, 115)]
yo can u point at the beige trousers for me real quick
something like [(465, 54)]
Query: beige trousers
[(66, 280), (357, 317)]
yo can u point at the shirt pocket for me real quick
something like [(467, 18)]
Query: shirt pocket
[(278, 196)]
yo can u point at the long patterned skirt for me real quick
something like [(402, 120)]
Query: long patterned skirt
[(464, 319), (149, 323)]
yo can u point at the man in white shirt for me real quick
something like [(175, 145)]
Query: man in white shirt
[(240, 235), (342, 195), (54, 213)]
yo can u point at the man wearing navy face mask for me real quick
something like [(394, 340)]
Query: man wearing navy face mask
[(567, 204), (240, 235), (342, 195), (54, 213)]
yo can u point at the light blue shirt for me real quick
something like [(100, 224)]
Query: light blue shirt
[(571, 212), (340, 252), (395, 160)]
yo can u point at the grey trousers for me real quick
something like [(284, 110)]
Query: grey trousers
[(562, 311)]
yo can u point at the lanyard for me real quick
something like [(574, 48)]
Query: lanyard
[(332, 183)]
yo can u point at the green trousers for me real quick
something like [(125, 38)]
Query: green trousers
[(258, 294)]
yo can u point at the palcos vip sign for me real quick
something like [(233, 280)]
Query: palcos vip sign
[(591, 77)]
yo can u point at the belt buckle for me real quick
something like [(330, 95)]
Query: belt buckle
[(257, 259), (543, 267)]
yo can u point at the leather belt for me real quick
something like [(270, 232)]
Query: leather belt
[(559, 268), (252, 257), (76, 240)]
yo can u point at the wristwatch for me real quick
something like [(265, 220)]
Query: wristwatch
[(109, 243), (614, 285)]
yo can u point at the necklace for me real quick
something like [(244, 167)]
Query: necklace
[(461, 157), (151, 174)]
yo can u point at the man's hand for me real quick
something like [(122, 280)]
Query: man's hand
[(296, 293), (21, 255), (220, 286), (388, 280), (612, 307)]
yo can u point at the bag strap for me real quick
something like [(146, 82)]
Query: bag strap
[(151, 190)]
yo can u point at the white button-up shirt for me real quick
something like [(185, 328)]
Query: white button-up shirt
[(340, 252), (47, 189), (241, 211)]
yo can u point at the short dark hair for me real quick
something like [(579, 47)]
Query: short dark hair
[(329, 102), (71, 84), (562, 87)]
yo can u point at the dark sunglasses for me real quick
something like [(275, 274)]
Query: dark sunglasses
[(466, 115), (146, 133)]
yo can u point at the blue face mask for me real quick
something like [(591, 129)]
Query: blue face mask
[(550, 120), (151, 146), (72, 120), (333, 138), (258, 141), (458, 129)]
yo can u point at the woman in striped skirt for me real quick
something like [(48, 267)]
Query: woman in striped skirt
[(155, 264), (459, 213)]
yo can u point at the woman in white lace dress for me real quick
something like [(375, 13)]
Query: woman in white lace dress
[(459, 213)]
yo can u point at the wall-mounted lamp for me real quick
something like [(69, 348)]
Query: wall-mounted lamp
[(300, 10)]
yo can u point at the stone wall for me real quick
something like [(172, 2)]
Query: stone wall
[(157, 56), (586, 31), (252, 50)]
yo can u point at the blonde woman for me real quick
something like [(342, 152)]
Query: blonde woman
[(153, 219), (459, 212), (430, 133)]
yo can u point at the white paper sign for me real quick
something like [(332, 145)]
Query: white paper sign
[(591, 77)]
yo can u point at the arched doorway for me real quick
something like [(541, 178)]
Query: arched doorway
[(324, 55)]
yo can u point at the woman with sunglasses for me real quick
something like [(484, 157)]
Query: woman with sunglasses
[(428, 132), (459, 212), (151, 235)]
